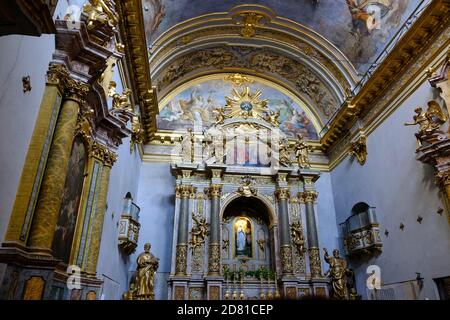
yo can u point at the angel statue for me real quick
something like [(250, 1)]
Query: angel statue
[(100, 11), (147, 264), (199, 231), (428, 121), (302, 152), (272, 117), (297, 236), (220, 115), (285, 159)]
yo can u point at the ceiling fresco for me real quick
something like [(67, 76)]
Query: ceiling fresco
[(195, 105), (359, 28)]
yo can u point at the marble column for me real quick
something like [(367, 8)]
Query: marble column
[(214, 234), (51, 191), (309, 197), (37, 154), (282, 195), (183, 229), (108, 158)]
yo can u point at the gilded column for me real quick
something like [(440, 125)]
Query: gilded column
[(282, 195), (52, 187), (309, 197), (214, 236), (37, 154), (183, 229), (108, 158)]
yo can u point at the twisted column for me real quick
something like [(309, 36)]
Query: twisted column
[(214, 192), (283, 195), (51, 191), (309, 197)]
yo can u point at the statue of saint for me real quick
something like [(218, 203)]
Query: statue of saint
[(338, 273), (147, 264), (302, 152), (187, 146)]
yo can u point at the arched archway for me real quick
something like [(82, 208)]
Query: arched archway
[(248, 234)]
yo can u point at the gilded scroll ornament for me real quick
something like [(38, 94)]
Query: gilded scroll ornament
[(315, 265), (358, 149), (199, 231), (286, 258), (181, 260), (238, 79), (214, 258), (338, 274), (137, 135)]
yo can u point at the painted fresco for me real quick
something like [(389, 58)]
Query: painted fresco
[(65, 228), (359, 28), (195, 105)]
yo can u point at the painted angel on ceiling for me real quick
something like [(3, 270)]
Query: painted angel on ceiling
[(367, 14)]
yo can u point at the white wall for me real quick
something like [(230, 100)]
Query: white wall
[(19, 56), (157, 201), (401, 188)]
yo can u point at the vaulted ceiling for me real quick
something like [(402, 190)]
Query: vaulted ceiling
[(359, 28)]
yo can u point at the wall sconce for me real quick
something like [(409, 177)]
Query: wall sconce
[(26, 84), (419, 219), (419, 280), (402, 226)]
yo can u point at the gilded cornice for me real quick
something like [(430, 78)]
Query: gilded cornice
[(131, 24), (405, 55)]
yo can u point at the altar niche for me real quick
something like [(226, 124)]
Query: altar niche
[(246, 240)]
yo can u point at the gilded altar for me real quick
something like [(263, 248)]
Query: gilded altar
[(245, 202)]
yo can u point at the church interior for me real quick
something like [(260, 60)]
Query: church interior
[(225, 150)]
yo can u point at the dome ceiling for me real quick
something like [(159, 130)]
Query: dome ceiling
[(359, 28)]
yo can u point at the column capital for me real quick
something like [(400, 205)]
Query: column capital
[(76, 90), (308, 196), (102, 153), (214, 190), (443, 179), (282, 193), (184, 191), (57, 75)]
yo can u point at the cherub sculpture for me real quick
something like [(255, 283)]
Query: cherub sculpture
[(297, 236), (220, 115), (199, 231), (246, 189)]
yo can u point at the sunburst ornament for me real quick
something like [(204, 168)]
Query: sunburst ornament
[(245, 104)]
